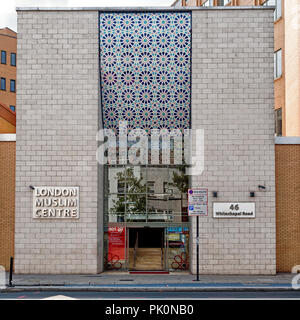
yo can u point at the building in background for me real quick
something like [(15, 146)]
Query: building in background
[(8, 73), (7, 120), (7, 186), (8, 51), (286, 57), (7, 183)]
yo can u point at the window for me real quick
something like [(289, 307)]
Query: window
[(223, 2), (13, 59), (121, 187), (278, 122), (151, 187), (278, 10), (278, 64), (208, 3), (277, 5), (13, 108), (12, 85), (167, 188), (3, 57), (3, 84), (130, 196)]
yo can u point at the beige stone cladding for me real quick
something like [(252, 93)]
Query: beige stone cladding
[(232, 100), (57, 122)]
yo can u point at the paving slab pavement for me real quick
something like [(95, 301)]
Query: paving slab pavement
[(116, 281)]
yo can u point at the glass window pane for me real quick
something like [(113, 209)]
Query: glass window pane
[(115, 176), (158, 207), (278, 122), (159, 175), (279, 63), (12, 85), (178, 248), (278, 9), (178, 206), (135, 204), (275, 64), (3, 84), (114, 208), (151, 187), (13, 59), (135, 177), (178, 180), (3, 57)]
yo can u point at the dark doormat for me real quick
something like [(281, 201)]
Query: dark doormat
[(149, 272)]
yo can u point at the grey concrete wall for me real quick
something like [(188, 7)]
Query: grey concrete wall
[(57, 121), (232, 100)]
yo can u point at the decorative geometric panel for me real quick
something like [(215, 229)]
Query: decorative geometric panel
[(145, 69)]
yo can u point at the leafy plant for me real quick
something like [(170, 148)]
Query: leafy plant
[(134, 202)]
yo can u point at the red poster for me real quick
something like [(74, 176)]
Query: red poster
[(116, 242)]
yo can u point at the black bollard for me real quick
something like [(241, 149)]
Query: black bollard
[(11, 271)]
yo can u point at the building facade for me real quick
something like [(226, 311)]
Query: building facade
[(287, 202), (7, 120), (157, 69), (286, 57), (8, 62), (7, 197)]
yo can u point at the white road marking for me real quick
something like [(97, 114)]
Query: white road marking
[(59, 297)]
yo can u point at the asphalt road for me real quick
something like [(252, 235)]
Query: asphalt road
[(88, 295)]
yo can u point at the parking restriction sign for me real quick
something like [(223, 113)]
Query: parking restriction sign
[(197, 202)]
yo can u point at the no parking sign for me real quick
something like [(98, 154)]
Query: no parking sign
[(198, 202)]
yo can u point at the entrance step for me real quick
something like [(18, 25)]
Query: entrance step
[(147, 259)]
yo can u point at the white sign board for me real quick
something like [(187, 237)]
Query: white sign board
[(234, 210), (197, 202), (56, 203)]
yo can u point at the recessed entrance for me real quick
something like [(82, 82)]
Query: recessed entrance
[(146, 249), (146, 224)]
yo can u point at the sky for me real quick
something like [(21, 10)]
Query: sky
[(8, 16)]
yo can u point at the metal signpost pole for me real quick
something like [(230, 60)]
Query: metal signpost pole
[(197, 206), (197, 279)]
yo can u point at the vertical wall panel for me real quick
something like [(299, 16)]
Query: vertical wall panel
[(7, 201)]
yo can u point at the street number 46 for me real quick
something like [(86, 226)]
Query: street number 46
[(234, 207)]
